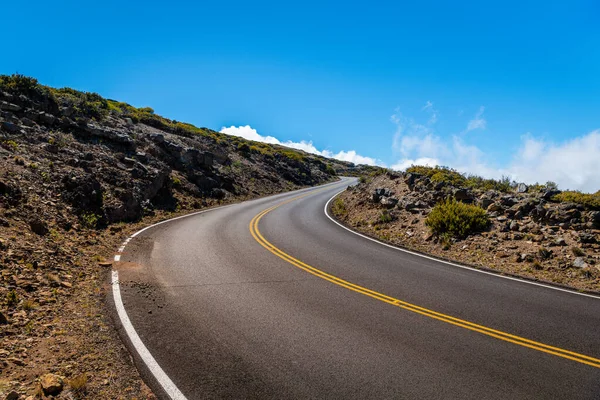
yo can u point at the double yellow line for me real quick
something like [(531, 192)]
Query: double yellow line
[(521, 341)]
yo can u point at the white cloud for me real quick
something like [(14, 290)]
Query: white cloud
[(433, 113), (247, 132), (573, 163), (478, 122)]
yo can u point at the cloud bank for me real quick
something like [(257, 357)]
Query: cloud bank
[(573, 163), (247, 132)]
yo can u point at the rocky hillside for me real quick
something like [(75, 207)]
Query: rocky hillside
[(535, 231), (77, 174)]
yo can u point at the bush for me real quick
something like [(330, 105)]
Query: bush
[(455, 178), (586, 199), (439, 174), (385, 217), (457, 219), (329, 169), (338, 207)]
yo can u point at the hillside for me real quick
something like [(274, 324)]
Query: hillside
[(537, 232), (78, 173)]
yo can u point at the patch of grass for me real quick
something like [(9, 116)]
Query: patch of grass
[(28, 305), (457, 219), (12, 298), (78, 384), (577, 252), (339, 207), (10, 145), (175, 180), (385, 217), (330, 170), (585, 199), (90, 220), (544, 253)]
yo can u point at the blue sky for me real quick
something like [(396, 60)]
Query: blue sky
[(392, 82)]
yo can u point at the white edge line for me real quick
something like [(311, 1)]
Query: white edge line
[(162, 378), (451, 263), (165, 382)]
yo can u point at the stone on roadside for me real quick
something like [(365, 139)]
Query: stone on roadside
[(579, 263), (51, 384)]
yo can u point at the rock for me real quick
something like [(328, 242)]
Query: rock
[(384, 192), (27, 122), (579, 263), (105, 264), (38, 226), (51, 384), (594, 217), (10, 127), (3, 319), (587, 238), (410, 179), (51, 148), (514, 226), (522, 188), (494, 207), (560, 242), (9, 107), (548, 194), (12, 396), (463, 195), (486, 203), (47, 119), (389, 202)]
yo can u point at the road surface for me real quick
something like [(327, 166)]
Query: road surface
[(237, 303)]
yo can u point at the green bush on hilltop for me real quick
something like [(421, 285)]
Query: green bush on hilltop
[(457, 219), (588, 200), (451, 176)]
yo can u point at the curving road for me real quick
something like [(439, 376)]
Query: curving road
[(299, 307)]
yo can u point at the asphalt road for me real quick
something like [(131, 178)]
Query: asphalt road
[(226, 318)]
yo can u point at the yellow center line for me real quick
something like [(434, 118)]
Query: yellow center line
[(521, 341)]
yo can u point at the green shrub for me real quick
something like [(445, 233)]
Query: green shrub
[(455, 178), (339, 207), (362, 179), (385, 217), (586, 199), (329, 169), (457, 219), (90, 220)]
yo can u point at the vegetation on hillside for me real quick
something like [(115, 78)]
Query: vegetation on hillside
[(588, 200), (456, 218), (84, 106)]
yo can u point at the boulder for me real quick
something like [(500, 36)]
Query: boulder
[(10, 127), (6, 106), (463, 195), (587, 238), (485, 203), (51, 384), (579, 263), (548, 194), (389, 202), (38, 226), (522, 188), (494, 207), (560, 242)]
